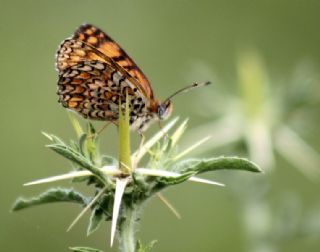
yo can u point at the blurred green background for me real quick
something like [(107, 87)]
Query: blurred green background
[(175, 43)]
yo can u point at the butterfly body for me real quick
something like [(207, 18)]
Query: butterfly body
[(96, 75)]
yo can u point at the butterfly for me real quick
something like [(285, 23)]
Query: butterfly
[(96, 75)]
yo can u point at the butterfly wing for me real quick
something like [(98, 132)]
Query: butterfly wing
[(95, 89), (95, 37), (93, 85), (72, 52)]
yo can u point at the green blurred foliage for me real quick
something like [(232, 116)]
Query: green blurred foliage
[(175, 43)]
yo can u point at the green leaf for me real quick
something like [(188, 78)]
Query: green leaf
[(95, 220), (53, 138), (74, 145), (76, 157), (214, 164), (84, 249), (47, 135), (76, 125), (72, 155), (50, 196), (91, 141), (88, 146), (145, 248), (175, 180), (82, 144), (138, 154), (91, 129), (179, 132)]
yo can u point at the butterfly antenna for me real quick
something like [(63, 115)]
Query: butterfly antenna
[(187, 89)]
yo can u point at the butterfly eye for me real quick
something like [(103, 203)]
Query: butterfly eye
[(164, 110)]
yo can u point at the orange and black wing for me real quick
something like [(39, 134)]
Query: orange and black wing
[(72, 52), (96, 38), (93, 84), (85, 88)]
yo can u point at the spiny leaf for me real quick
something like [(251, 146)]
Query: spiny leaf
[(213, 164), (82, 143), (138, 154), (76, 125), (76, 157), (91, 129), (50, 196), (74, 145), (71, 154), (179, 132), (87, 143), (175, 180), (88, 207), (53, 138), (120, 187), (47, 135), (91, 142), (191, 148), (95, 220), (84, 249)]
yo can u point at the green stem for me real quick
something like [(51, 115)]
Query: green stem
[(252, 83), (127, 229), (124, 140)]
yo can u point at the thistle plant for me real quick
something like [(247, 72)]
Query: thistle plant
[(121, 185), (268, 120), (266, 116)]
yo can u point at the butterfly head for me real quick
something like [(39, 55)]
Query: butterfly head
[(164, 109)]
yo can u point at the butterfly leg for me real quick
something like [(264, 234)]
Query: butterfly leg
[(99, 131), (103, 128), (142, 140)]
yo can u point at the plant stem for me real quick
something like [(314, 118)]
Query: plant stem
[(127, 229), (124, 140)]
